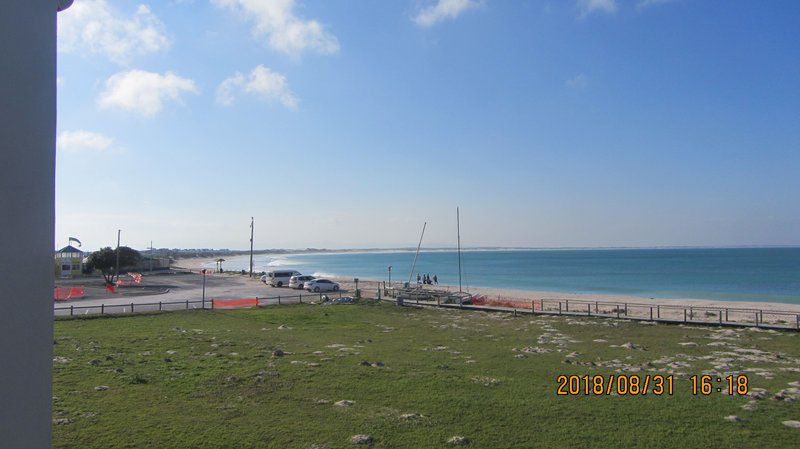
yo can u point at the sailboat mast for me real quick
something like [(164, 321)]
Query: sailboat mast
[(417, 253), (458, 229)]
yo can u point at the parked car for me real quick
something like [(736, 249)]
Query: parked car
[(279, 278), (321, 285), (297, 282)]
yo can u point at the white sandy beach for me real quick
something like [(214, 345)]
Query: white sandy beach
[(528, 295)]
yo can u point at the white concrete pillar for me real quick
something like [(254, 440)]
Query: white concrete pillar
[(27, 182)]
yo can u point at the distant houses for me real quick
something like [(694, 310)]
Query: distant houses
[(69, 262)]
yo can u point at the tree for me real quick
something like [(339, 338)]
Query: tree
[(105, 260)]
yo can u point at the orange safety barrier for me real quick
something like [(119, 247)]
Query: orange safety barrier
[(65, 293), (232, 303)]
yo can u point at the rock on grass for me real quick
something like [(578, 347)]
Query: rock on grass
[(344, 403), (792, 424), (733, 418), (361, 439), (458, 441)]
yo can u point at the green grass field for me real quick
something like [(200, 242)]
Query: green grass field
[(208, 379)]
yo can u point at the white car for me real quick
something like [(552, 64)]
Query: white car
[(279, 278), (297, 282), (321, 285)]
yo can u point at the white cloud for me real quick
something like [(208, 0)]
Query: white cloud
[(144, 92), (588, 7), (579, 82), (285, 31), (647, 3), (81, 141), (93, 26), (261, 82), (442, 10)]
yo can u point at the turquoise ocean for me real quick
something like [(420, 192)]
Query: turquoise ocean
[(739, 274)]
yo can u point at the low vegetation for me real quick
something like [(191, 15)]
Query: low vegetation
[(375, 375)]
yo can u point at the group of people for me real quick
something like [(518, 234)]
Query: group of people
[(427, 280)]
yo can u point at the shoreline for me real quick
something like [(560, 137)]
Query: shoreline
[(517, 294)]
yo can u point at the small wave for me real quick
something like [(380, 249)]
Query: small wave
[(282, 262), (321, 274)]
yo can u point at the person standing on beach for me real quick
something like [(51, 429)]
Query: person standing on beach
[(435, 280)]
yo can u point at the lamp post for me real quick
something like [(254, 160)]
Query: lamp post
[(204, 287), (251, 246)]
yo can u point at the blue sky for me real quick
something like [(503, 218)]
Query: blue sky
[(350, 123)]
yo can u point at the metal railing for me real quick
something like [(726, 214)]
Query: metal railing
[(654, 312), (191, 304)]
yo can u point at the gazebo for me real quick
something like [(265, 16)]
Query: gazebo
[(69, 261)]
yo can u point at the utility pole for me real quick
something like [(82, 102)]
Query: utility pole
[(458, 227), (116, 271), (251, 246)]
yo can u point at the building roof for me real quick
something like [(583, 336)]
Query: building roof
[(69, 249)]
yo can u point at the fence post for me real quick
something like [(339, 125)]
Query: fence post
[(761, 316), (71, 310), (726, 314), (320, 297), (651, 313), (626, 309), (617, 311), (720, 317), (187, 304), (658, 311), (588, 310), (131, 307), (596, 307), (567, 305), (159, 306), (279, 299), (798, 321), (684, 314), (533, 308), (559, 307), (301, 297), (756, 319), (102, 309)]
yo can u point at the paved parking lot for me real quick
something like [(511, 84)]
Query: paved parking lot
[(174, 288)]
